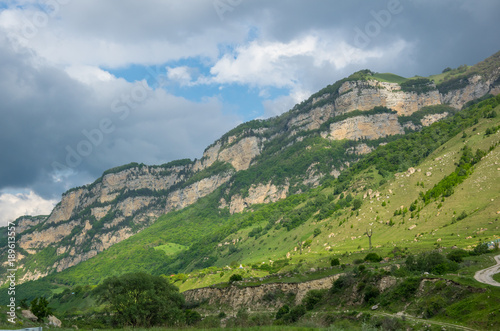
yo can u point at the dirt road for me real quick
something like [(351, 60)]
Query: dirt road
[(486, 275)]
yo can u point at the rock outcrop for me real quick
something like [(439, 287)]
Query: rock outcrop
[(253, 296), (256, 194), (364, 127)]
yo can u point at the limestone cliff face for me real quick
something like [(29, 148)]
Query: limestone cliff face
[(256, 194), (475, 88), (241, 153), (365, 95), (366, 127), (126, 202), (189, 195)]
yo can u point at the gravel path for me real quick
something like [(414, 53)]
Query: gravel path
[(486, 275)]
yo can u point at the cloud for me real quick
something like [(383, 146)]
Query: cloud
[(66, 126), (14, 205)]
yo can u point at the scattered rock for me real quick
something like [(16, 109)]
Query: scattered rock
[(375, 307), (29, 315), (428, 173), (54, 321)]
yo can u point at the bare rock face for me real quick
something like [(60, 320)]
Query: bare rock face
[(476, 87), (367, 127), (241, 153), (253, 297), (258, 194), (313, 119), (429, 119), (365, 95), (184, 197)]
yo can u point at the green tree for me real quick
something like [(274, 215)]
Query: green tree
[(40, 308), (317, 232), (140, 299), (235, 278)]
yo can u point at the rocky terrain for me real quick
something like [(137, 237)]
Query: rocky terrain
[(127, 199)]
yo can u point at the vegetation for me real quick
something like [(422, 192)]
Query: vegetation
[(139, 299)]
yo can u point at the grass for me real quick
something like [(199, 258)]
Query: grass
[(388, 77), (171, 248), (496, 277)]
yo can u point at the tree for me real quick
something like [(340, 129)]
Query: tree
[(356, 204), (369, 235), (235, 278), (40, 308), (317, 232), (140, 299)]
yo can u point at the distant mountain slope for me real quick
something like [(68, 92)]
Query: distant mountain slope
[(262, 161)]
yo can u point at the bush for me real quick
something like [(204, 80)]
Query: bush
[(295, 314), (192, 317), (235, 278), (373, 257), (457, 255), (312, 298), (282, 312), (334, 261), (316, 232)]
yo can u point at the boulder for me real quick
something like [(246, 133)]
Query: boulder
[(29, 315), (54, 321)]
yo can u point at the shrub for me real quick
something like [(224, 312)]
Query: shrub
[(316, 232), (282, 312), (235, 278), (457, 255), (295, 314), (373, 257), (312, 298), (334, 261)]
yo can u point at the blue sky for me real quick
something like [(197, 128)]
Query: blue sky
[(154, 81)]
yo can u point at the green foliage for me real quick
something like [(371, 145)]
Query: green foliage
[(481, 248), (334, 261), (317, 232), (284, 310), (432, 262), (417, 85), (295, 314), (445, 187), (139, 299), (457, 255), (192, 317), (417, 116), (312, 298), (235, 278), (356, 204), (40, 308), (373, 257)]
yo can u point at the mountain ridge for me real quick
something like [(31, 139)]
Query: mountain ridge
[(127, 199)]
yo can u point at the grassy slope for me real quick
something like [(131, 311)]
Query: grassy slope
[(434, 224)]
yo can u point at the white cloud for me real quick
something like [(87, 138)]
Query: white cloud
[(182, 75), (14, 205), (89, 74), (264, 63)]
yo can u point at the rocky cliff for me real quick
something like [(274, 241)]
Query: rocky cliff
[(127, 199)]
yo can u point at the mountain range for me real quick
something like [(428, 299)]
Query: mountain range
[(360, 156)]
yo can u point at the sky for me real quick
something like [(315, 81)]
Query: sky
[(87, 85)]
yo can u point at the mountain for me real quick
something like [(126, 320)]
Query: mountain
[(262, 175)]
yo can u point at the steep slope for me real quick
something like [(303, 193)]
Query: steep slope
[(262, 161), (389, 184)]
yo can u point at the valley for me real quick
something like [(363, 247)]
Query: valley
[(376, 191)]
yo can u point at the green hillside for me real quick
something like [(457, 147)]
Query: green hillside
[(324, 219)]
